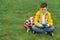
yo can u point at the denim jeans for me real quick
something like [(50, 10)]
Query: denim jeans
[(43, 30)]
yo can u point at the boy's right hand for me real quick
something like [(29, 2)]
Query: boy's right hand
[(41, 26)]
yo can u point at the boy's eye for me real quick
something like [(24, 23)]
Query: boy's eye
[(43, 9)]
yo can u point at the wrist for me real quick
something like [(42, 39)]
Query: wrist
[(40, 25), (47, 24)]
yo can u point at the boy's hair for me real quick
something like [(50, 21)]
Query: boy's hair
[(43, 5)]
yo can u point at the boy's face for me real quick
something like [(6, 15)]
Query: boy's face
[(44, 10)]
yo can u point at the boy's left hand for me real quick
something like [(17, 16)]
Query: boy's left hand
[(47, 25)]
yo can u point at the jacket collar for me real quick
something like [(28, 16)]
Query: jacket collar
[(41, 12)]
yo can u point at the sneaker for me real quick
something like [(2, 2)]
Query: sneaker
[(50, 33), (34, 32)]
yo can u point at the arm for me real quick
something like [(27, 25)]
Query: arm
[(36, 19), (50, 22)]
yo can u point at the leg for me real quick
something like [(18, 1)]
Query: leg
[(39, 30), (50, 29)]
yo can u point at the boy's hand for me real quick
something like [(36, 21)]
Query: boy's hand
[(47, 25), (41, 26)]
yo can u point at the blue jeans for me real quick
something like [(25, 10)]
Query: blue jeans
[(43, 30)]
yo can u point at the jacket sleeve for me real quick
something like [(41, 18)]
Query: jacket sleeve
[(50, 21), (36, 23)]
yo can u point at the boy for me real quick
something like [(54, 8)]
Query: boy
[(43, 22)]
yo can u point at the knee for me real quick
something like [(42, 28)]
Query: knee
[(52, 28), (33, 26)]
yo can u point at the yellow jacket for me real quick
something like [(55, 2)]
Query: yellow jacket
[(38, 17)]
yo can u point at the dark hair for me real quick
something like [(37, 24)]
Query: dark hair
[(43, 5)]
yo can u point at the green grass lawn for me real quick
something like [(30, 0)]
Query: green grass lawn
[(13, 13)]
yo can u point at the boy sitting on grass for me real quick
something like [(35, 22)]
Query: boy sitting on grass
[(43, 22)]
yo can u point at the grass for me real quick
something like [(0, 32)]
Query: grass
[(13, 13)]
